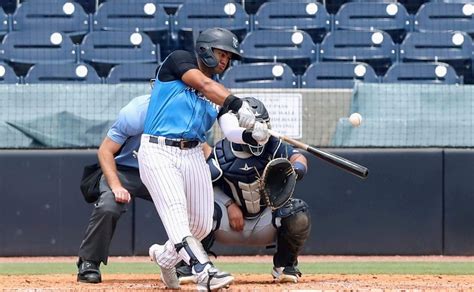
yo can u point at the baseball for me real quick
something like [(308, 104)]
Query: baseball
[(355, 119)]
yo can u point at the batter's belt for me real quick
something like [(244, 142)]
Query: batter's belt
[(181, 144)]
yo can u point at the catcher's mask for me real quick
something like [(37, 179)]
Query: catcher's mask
[(261, 115), (219, 38)]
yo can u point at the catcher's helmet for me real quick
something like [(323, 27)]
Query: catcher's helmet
[(261, 115), (219, 38)]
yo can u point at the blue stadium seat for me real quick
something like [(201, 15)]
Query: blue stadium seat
[(192, 18), (4, 23), (132, 73), (21, 49), (172, 5), (375, 47), (389, 17), (104, 49), (293, 47), (337, 75), (133, 15), (7, 75), (454, 48), (445, 17), (311, 17), (53, 15), (421, 72), (62, 73), (260, 75)]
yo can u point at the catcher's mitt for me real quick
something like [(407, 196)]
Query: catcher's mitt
[(278, 182)]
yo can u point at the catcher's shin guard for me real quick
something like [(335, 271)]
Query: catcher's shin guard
[(292, 233)]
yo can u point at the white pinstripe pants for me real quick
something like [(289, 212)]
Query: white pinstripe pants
[(179, 182)]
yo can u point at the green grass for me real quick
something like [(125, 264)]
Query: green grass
[(416, 268)]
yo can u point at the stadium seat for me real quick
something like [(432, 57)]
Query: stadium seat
[(421, 72), (389, 17), (191, 18), (4, 23), (337, 75), (133, 15), (104, 49), (445, 17), (53, 15), (21, 49), (7, 75), (454, 48), (293, 47), (62, 73), (260, 75), (311, 17), (375, 47), (132, 73)]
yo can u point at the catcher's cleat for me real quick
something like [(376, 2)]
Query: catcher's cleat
[(168, 275), (211, 279), (88, 272), (286, 274), (185, 274)]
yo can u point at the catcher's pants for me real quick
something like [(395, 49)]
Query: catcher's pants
[(258, 231), (106, 213)]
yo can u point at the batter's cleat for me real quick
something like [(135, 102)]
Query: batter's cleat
[(286, 275), (212, 279), (185, 274), (168, 275), (88, 272)]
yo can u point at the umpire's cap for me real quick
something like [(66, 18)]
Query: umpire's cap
[(219, 38)]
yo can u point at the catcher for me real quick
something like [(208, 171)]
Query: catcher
[(253, 187)]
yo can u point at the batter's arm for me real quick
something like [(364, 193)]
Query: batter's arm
[(106, 153), (213, 90)]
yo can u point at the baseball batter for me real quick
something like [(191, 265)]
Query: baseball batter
[(242, 217), (184, 104)]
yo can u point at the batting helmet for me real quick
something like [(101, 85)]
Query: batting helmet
[(261, 115), (218, 38)]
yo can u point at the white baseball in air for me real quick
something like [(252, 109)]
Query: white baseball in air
[(355, 119)]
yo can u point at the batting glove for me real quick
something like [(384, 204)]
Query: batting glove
[(260, 133), (246, 116)]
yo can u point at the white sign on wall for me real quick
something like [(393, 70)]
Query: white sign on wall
[(285, 111)]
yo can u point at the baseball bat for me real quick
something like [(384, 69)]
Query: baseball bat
[(345, 164)]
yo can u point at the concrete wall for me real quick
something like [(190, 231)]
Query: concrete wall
[(415, 202)]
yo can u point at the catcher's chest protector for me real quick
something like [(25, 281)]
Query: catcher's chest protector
[(241, 177)]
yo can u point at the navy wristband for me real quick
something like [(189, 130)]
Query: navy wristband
[(300, 170)]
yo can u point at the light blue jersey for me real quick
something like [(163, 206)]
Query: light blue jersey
[(128, 128), (177, 110)]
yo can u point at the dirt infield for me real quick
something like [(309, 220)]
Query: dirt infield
[(246, 282)]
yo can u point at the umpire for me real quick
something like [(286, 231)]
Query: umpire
[(120, 180)]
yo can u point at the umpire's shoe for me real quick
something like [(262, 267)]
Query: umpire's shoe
[(88, 272), (211, 279), (168, 276), (286, 275)]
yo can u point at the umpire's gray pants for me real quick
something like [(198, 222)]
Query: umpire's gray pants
[(106, 213)]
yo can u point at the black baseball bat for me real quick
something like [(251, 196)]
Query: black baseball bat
[(345, 164)]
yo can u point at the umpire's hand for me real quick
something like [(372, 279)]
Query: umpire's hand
[(236, 218), (121, 195)]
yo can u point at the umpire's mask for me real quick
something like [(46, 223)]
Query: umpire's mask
[(261, 115)]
